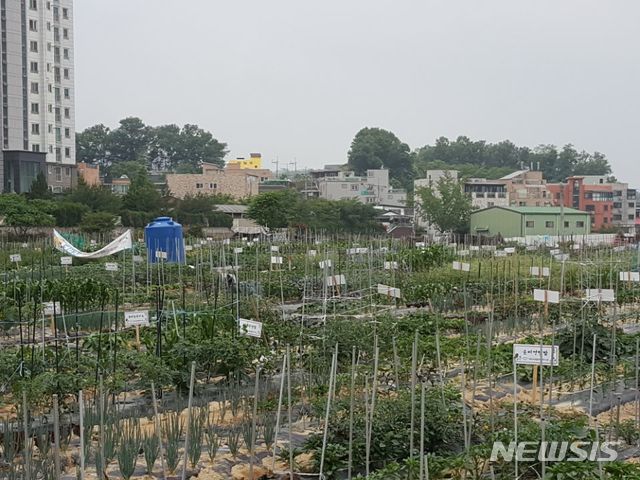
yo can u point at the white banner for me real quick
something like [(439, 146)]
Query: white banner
[(66, 260), (123, 242)]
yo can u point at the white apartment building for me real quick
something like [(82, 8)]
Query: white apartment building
[(373, 189), (38, 121)]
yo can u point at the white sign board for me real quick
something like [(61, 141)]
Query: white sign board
[(275, 248), (312, 253), (137, 258), (334, 280), (388, 291), (160, 254), (630, 276), (420, 244), (188, 248), (111, 267), (545, 355), (356, 251), (488, 247), (549, 296), (537, 271), (463, 253), (66, 260), (325, 264), (276, 260), (15, 258), (390, 265), (561, 257), (136, 318), (226, 241), (531, 248), (237, 250), (510, 250), (500, 253), (599, 295), (457, 265), (474, 248), (49, 308), (554, 251), (250, 328)]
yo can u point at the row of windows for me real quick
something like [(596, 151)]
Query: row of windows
[(212, 186), (35, 110), (35, 89), (67, 151), (551, 224), (34, 68), (35, 130), (33, 5)]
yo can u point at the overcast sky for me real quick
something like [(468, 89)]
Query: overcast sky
[(296, 79)]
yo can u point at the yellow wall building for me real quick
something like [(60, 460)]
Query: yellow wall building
[(253, 162)]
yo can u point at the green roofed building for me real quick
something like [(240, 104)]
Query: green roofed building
[(522, 221)]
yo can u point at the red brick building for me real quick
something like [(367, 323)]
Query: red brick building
[(611, 205)]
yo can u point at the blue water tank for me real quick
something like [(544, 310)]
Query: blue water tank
[(164, 235)]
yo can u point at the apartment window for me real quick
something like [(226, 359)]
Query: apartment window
[(58, 171), (67, 113), (35, 108), (65, 53), (631, 217), (33, 4), (33, 46), (617, 205), (65, 13), (34, 67), (58, 135), (48, 26), (617, 218), (58, 154), (56, 34), (66, 74), (579, 224), (48, 67), (566, 224), (48, 46), (549, 224), (50, 129), (354, 187), (48, 5), (50, 150), (56, 13), (35, 147), (50, 108), (199, 185), (33, 25), (632, 205), (67, 94), (35, 129), (67, 171), (56, 74), (67, 152), (590, 208), (605, 220), (67, 133), (65, 33), (530, 224), (58, 117)]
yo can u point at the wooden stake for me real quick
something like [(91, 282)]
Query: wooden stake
[(56, 437), (186, 438), (81, 412), (534, 390), (158, 427)]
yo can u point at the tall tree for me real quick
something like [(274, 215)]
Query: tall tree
[(375, 148), (93, 145), (130, 140), (97, 198), (39, 187), (275, 209), (446, 205)]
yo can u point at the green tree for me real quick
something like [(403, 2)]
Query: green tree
[(274, 209), (447, 206), (98, 222), (183, 150), (22, 215), (141, 203), (95, 197), (200, 210), (39, 187), (375, 148), (130, 141), (93, 145)]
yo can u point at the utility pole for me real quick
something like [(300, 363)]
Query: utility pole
[(295, 166), (277, 162)]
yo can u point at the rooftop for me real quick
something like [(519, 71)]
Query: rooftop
[(539, 210), (231, 209)]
